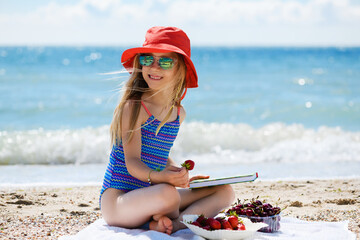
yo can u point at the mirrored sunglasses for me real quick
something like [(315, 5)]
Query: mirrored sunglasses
[(164, 62)]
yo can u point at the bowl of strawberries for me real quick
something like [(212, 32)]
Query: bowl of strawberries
[(258, 211), (222, 226)]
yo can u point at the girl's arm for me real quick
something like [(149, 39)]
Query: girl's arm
[(132, 152), (171, 162)]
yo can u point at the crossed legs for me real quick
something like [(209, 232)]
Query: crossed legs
[(163, 205)]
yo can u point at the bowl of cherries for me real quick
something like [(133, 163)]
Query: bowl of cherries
[(258, 211)]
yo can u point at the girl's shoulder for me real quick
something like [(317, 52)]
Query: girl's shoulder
[(182, 113), (135, 105), (128, 107)]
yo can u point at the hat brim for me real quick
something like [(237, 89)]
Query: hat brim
[(128, 55)]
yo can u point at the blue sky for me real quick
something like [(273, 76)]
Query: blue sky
[(207, 22)]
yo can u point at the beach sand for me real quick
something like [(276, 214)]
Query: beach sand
[(51, 212)]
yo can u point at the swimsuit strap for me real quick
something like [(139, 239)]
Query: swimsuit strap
[(148, 112), (179, 108)]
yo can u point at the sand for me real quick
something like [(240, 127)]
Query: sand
[(50, 212)]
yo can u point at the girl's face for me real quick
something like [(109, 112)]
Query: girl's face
[(158, 78)]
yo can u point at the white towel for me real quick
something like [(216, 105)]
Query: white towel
[(291, 228)]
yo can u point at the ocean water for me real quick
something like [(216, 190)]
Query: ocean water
[(286, 113)]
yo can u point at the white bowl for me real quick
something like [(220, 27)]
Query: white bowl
[(251, 229)]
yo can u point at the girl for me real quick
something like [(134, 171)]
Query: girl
[(142, 184)]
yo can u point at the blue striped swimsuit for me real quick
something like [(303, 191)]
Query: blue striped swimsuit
[(154, 153)]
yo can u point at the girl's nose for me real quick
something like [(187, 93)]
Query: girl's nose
[(155, 64)]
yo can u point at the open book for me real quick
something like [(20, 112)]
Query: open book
[(222, 181)]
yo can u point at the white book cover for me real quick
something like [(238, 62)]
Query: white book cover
[(222, 181)]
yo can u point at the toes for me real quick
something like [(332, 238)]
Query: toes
[(167, 224), (164, 224)]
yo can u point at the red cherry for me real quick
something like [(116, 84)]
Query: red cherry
[(249, 212)]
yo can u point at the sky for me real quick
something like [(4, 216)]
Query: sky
[(207, 22)]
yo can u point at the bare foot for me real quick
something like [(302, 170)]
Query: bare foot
[(161, 224)]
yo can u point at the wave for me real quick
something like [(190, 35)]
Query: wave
[(87, 145), (275, 142), (206, 142)]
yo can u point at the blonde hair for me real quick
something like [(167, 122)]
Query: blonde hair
[(133, 91)]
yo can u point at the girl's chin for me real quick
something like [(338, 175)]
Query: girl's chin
[(157, 87), (155, 83)]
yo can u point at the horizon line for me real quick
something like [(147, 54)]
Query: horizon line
[(195, 45)]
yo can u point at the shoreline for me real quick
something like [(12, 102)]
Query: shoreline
[(49, 212)]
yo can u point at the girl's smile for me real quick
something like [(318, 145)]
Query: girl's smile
[(155, 77)]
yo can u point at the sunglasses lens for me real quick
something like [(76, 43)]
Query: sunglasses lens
[(166, 63), (146, 60)]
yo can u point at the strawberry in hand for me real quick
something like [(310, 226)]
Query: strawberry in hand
[(188, 164)]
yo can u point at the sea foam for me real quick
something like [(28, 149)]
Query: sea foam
[(205, 142), (87, 145)]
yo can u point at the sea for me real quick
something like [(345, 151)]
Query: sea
[(287, 113)]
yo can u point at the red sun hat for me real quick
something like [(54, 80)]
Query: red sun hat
[(162, 40)]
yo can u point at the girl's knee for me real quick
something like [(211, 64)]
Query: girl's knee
[(110, 218), (169, 191), (227, 192), (231, 193), (169, 195)]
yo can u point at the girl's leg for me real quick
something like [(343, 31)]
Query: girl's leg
[(208, 201), (133, 209)]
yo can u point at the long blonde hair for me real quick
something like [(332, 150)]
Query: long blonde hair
[(133, 91)]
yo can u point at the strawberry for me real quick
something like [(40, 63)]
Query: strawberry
[(220, 219), (234, 221), (226, 225), (209, 220), (201, 220), (207, 227), (241, 226), (214, 224), (196, 224), (188, 164)]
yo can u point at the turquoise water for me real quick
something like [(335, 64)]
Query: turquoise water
[(62, 87), (256, 108)]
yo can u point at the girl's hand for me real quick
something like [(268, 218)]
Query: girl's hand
[(197, 177), (178, 177), (173, 168)]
